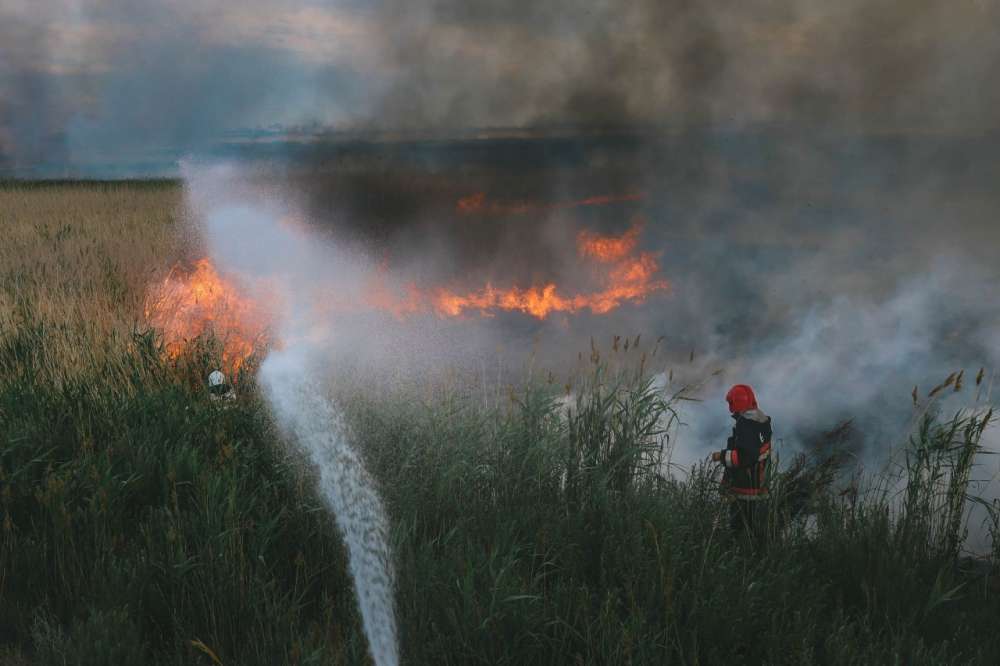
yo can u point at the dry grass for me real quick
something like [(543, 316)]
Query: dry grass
[(76, 259)]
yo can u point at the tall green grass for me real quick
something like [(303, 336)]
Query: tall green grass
[(144, 523), (139, 517)]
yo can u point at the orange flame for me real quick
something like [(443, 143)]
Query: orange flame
[(608, 248), (473, 203), (629, 278), (185, 307)]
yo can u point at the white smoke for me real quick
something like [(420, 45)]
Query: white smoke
[(858, 358), (855, 357)]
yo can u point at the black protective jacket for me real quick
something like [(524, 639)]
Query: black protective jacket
[(747, 455)]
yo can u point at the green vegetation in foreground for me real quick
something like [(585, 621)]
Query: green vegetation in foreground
[(143, 523)]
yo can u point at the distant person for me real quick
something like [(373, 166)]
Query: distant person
[(746, 459), (218, 388)]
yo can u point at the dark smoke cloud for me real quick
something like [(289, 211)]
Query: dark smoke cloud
[(120, 80), (728, 114), (819, 182), (890, 64)]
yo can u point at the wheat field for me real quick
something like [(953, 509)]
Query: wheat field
[(75, 260)]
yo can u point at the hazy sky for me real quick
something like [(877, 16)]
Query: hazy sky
[(124, 80)]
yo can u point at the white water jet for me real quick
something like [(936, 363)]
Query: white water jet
[(246, 231), (301, 409)]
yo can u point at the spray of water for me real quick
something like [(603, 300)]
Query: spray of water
[(244, 231), (301, 409)]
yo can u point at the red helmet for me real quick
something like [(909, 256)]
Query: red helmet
[(741, 399)]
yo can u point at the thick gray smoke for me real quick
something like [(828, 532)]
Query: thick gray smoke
[(855, 357), (888, 64), (123, 86), (832, 271)]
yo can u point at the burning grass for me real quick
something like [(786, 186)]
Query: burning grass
[(189, 305), (195, 301), (627, 276), (142, 522)]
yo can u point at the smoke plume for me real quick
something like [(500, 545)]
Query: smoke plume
[(109, 86), (817, 180)]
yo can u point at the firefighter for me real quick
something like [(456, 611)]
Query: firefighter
[(219, 389), (746, 460)]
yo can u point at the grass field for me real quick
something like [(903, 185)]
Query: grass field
[(143, 523)]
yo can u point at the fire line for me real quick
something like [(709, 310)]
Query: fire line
[(189, 304)]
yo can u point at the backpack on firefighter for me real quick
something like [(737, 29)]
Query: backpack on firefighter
[(747, 461)]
